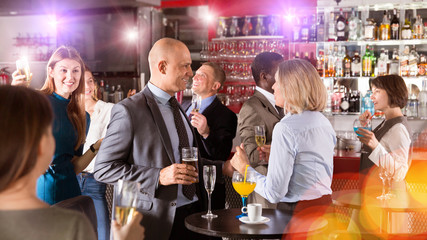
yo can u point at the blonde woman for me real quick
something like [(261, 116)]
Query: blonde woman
[(301, 158)]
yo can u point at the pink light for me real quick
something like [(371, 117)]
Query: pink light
[(52, 21), (132, 35)]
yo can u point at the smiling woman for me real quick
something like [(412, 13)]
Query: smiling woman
[(64, 87)]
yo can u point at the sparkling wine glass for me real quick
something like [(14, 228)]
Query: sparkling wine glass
[(125, 194), (260, 139), (209, 177), (382, 175), (244, 186), (390, 171), (196, 101)]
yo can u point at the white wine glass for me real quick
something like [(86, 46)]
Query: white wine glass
[(196, 102), (125, 194), (260, 139), (209, 178)]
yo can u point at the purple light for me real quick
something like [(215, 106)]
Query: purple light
[(52, 21)]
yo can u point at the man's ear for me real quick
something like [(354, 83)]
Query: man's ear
[(263, 76), (162, 66), (216, 86)]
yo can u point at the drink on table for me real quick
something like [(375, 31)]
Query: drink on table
[(209, 178), (244, 184)]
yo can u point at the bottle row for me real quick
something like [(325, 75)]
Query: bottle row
[(249, 26), (110, 94), (340, 27), (341, 101), (240, 50), (337, 62)]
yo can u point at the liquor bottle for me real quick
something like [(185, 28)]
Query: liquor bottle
[(367, 103), (118, 94), (374, 69), (382, 63), (422, 65), (366, 63), (111, 94), (394, 63), (101, 90), (336, 100), (406, 32), (106, 93), (320, 29), (247, 26), (425, 30), (306, 57), (385, 28), (341, 26), (347, 64), (395, 26), (320, 64), (422, 104), (418, 31), (339, 68), (259, 27), (356, 65), (412, 107), (354, 102), (370, 30), (332, 35), (345, 102), (304, 31), (404, 58), (234, 28), (413, 61), (312, 34), (354, 25), (330, 63)]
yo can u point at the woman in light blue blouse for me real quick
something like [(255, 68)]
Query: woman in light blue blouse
[(301, 158)]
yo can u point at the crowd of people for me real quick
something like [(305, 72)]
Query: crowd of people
[(62, 142)]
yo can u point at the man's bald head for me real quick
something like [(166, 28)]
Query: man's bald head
[(164, 49)]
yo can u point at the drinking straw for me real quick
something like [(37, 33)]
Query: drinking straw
[(246, 171), (364, 125)]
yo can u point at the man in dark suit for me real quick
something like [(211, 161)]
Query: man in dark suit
[(143, 144), (258, 110), (216, 124)]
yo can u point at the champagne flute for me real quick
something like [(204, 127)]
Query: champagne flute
[(244, 185), (125, 194), (390, 170), (382, 175), (196, 102), (260, 139), (209, 177)]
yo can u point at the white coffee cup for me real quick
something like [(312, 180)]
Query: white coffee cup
[(254, 212)]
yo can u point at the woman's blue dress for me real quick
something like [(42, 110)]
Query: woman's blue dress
[(59, 182)]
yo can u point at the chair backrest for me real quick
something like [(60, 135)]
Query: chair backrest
[(82, 204)]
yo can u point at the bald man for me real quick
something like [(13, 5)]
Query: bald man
[(142, 145)]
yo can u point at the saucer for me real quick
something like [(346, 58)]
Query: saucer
[(246, 220)]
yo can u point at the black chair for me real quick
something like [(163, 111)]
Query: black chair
[(82, 204)]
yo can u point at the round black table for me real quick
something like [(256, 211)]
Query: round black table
[(281, 223)]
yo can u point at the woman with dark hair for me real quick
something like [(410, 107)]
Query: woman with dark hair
[(99, 112), (27, 147), (393, 136), (64, 87)]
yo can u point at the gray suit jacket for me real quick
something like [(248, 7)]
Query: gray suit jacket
[(136, 147)]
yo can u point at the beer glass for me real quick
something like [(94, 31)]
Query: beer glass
[(23, 68), (190, 156), (125, 199), (209, 178)]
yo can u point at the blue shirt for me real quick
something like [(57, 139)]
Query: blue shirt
[(301, 159), (162, 100), (205, 103)]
